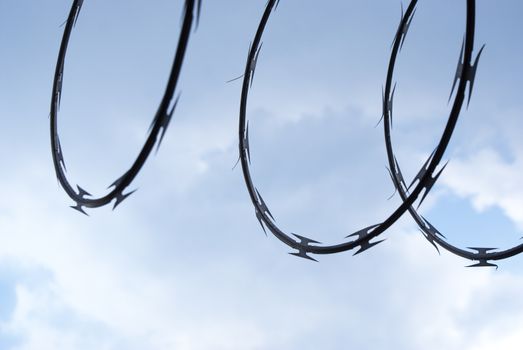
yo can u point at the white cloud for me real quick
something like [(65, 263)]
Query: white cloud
[(105, 289), (183, 264), (487, 179)]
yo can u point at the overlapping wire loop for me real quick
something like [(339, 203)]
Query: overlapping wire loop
[(465, 73), (302, 246), (424, 181)]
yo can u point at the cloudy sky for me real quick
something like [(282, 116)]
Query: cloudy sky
[(183, 264)]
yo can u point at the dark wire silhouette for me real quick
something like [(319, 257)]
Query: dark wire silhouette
[(304, 247), (158, 127), (466, 73), (362, 238)]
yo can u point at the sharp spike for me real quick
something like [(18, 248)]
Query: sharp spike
[(236, 164), (471, 75), (81, 192), (397, 36), (406, 28), (118, 181), (363, 232), (431, 240), (260, 220), (59, 86), (390, 103), (305, 240), (422, 171), (254, 62), (79, 4), (60, 155), (153, 122), (399, 174), (275, 4), (302, 247), (246, 143), (384, 103), (234, 79), (459, 69), (484, 263), (121, 197), (482, 251), (166, 119), (366, 246), (198, 13), (80, 208), (302, 254), (393, 194), (431, 184), (263, 205), (483, 260), (394, 182), (430, 228), (184, 11)]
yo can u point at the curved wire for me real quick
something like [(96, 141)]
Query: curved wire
[(482, 255), (158, 127), (362, 238)]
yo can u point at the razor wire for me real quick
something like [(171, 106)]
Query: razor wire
[(362, 239), (191, 12), (303, 247), (482, 255)]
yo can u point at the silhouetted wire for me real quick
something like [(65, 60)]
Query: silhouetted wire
[(158, 127), (362, 238), (482, 255)]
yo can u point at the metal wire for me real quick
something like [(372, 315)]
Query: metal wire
[(159, 125), (483, 256), (361, 239)]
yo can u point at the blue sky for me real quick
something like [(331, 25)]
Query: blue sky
[(183, 263)]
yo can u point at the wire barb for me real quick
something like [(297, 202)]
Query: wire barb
[(469, 75), (403, 28), (79, 208), (121, 197), (483, 257), (263, 206), (302, 247), (362, 235), (246, 146)]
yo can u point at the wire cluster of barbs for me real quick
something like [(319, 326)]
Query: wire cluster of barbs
[(304, 247)]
